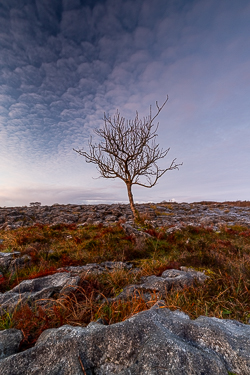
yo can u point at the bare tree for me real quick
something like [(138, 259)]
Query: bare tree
[(129, 151)]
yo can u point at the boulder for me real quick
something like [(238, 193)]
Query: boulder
[(153, 342), (38, 290)]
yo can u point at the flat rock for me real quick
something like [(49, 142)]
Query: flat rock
[(38, 290), (177, 279), (153, 342)]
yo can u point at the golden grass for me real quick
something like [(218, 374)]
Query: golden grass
[(224, 256)]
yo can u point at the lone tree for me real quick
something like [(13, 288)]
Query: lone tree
[(129, 151)]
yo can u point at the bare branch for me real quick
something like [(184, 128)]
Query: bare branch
[(128, 150)]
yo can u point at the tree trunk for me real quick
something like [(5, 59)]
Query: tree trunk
[(131, 201)]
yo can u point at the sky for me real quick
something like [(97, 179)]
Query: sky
[(66, 62)]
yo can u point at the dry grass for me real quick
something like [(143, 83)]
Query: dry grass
[(224, 256)]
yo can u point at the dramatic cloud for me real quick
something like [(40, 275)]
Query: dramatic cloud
[(66, 62)]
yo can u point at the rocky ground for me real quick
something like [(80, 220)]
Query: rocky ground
[(162, 214), (157, 341), (154, 342)]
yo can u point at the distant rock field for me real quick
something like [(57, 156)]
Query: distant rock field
[(160, 214)]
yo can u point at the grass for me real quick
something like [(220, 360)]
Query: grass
[(223, 255)]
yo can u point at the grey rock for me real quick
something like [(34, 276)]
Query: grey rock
[(153, 342), (9, 342), (162, 284), (163, 214), (185, 276), (81, 225), (116, 265), (90, 268), (97, 222), (90, 220), (128, 229), (19, 263), (6, 259), (111, 218), (9, 255), (38, 290), (13, 226), (65, 219), (15, 217), (174, 229), (83, 218)]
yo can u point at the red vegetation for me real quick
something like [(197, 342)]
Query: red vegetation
[(77, 240), (66, 260), (169, 266), (46, 272), (33, 323), (245, 234)]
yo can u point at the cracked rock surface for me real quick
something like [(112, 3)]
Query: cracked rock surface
[(177, 279), (37, 290), (153, 342), (49, 288)]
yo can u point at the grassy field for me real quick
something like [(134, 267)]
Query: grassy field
[(223, 255)]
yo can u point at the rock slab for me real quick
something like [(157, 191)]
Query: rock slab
[(161, 285), (154, 342), (37, 290)]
